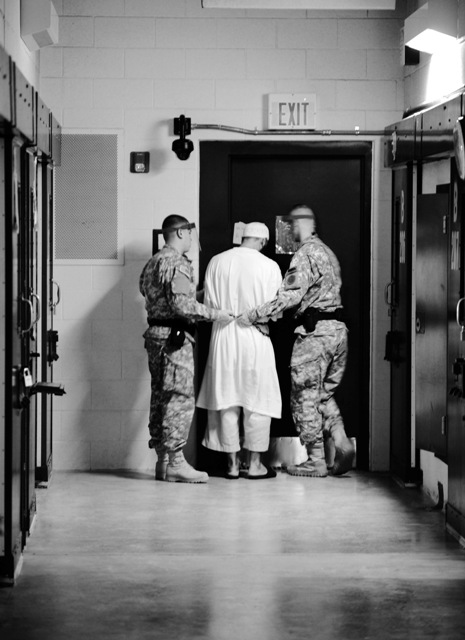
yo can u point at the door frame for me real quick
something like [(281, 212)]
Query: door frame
[(211, 180)]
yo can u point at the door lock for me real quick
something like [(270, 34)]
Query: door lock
[(458, 369)]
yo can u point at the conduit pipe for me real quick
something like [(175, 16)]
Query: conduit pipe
[(291, 132)]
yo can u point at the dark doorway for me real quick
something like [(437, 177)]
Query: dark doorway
[(245, 181)]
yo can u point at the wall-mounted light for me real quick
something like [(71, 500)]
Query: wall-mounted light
[(432, 27), (38, 23), (182, 147)]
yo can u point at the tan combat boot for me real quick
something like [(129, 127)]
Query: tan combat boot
[(315, 466), (179, 470)]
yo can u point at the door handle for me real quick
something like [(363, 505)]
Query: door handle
[(460, 323), (31, 312), (457, 312), (387, 290), (388, 297), (37, 315), (53, 305)]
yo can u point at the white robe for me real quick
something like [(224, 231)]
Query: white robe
[(241, 366)]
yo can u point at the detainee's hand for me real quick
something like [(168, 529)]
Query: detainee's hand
[(224, 316), (243, 320)]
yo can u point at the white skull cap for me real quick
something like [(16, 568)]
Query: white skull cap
[(256, 230)]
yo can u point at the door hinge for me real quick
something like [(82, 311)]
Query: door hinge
[(444, 224), (444, 425)]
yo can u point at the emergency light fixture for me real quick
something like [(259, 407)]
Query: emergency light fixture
[(432, 27)]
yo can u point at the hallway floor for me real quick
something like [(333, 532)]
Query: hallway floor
[(122, 556)]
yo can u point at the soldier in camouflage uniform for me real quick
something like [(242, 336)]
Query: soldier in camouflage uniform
[(319, 355), (167, 283)]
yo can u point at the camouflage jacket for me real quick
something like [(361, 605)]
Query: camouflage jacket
[(167, 283), (312, 280)]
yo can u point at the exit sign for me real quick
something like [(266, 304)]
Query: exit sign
[(291, 110)]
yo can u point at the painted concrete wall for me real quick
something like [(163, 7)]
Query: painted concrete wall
[(132, 66)]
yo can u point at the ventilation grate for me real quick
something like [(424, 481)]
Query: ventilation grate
[(86, 198)]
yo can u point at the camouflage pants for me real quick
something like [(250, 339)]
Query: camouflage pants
[(317, 366), (172, 401)]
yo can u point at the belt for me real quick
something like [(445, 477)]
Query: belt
[(311, 316), (327, 315), (324, 315), (182, 325)]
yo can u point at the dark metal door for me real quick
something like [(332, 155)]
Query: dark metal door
[(398, 296), (19, 321), (29, 246), (243, 181), (455, 507), (49, 294), (5, 389), (431, 323), (15, 460)]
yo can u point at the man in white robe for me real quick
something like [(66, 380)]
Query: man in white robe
[(240, 373)]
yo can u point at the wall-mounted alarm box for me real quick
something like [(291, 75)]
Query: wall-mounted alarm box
[(139, 162)]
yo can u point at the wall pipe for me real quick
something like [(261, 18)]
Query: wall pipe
[(291, 132)]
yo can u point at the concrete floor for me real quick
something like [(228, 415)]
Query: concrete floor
[(123, 556)]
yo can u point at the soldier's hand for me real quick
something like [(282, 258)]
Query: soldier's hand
[(224, 316), (243, 320)]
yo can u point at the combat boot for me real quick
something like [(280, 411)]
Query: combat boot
[(161, 465), (330, 451), (345, 451), (179, 470), (315, 466)]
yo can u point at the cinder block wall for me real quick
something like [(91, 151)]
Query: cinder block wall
[(132, 66)]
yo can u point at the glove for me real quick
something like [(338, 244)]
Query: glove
[(224, 316), (243, 320)]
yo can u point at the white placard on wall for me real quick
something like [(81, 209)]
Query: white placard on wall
[(291, 110)]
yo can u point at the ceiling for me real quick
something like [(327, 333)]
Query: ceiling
[(364, 5)]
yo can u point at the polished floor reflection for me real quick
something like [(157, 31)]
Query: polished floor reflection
[(123, 556)]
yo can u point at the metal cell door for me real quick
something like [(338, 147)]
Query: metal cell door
[(27, 312), (431, 323), (20, 312), (455, 507), (30, 289), (398, 296), (48, 336), (15, 390), (241, 181), (4, 462)]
